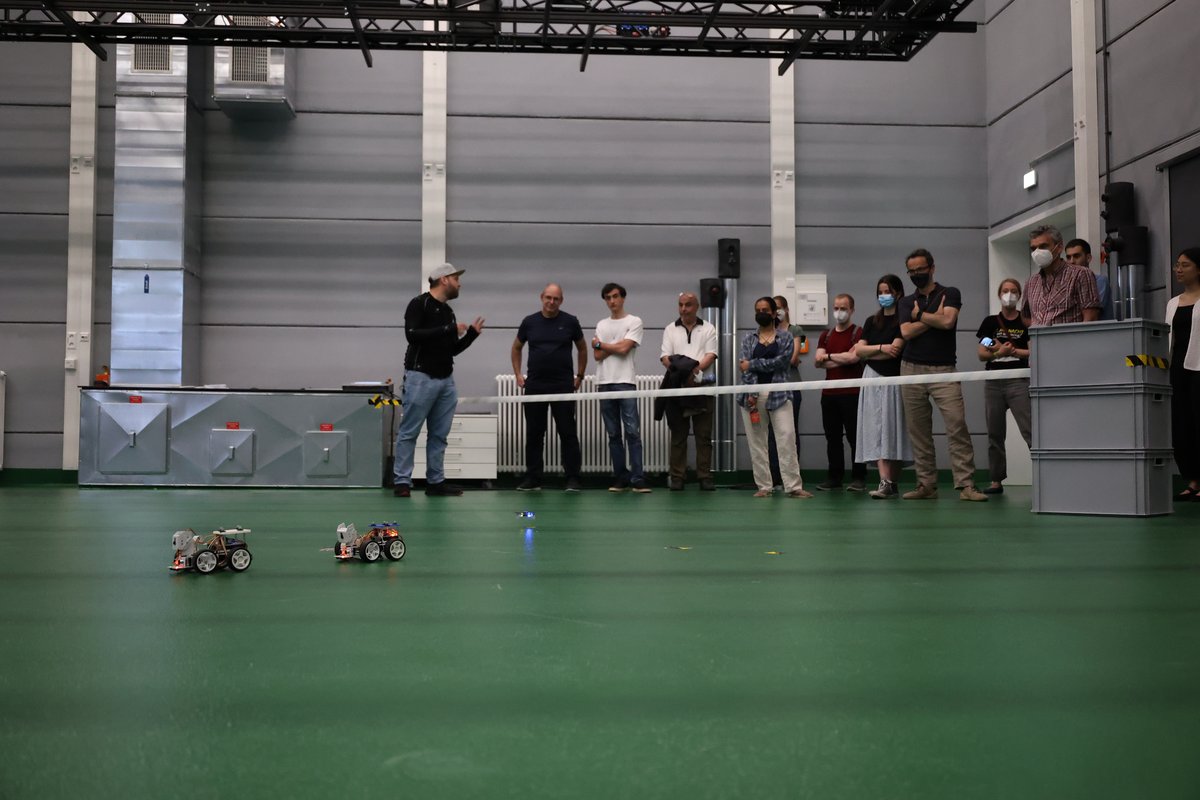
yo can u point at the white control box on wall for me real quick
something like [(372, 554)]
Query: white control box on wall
[(812, 300)]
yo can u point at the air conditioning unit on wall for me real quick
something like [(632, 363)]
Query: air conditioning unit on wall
[(254, 82)]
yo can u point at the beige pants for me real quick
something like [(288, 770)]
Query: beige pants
[(919, 418), (785, 435)]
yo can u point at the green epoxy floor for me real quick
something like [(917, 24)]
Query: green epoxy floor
[(924, 650)]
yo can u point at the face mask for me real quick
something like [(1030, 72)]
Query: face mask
[(920, 280), (1009, 299), (764, 318), (1042, 258), (886, 301), (841, 316), (781, 315)]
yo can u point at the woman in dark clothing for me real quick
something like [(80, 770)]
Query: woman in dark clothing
[(1185, 371)]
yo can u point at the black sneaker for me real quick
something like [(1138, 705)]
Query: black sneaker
[(857, 486), (402, 490), (443, 489), (676, 484), (640, 487), (620, 484), (574, 485), (829, 486), (529, 485)]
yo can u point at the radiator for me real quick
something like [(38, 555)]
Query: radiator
[(593, 441)]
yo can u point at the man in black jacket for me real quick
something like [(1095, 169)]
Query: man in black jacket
[(435, 337)]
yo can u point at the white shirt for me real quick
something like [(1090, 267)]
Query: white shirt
[(616, 368), (1191, 356), (700, 342)]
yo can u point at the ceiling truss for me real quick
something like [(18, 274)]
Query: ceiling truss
[(861, 30)]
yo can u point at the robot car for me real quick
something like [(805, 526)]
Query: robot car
[(225, 547), (381, 539)]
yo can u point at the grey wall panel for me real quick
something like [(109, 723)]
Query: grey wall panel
[(1125, 14), (896, 176), (33, 268), (34, 159), (1031, 130), (1028, 46), (339, 80), (942, 85), (625, 87), (33, 450), (106, 122), (299, 358), (37, 74), (102, 285), (559, 170), (316, 166), (992, 7), (288, 272), (507, 266), (855, 258), (33, 358), (1152, 202), (1153, 100)]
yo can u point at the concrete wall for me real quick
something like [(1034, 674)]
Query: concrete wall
[(629, 172), (1154, 108)]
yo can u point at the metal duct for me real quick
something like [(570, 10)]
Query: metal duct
[(156, 215), (254, 82)]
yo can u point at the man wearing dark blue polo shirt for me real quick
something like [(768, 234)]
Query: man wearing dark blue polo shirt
[(550, 334)]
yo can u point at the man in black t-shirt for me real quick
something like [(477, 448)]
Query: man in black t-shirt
[(928, 321), (435, 337), (551, 333), (1004, 345)]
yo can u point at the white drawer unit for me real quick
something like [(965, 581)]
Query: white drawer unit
[(470, 448)]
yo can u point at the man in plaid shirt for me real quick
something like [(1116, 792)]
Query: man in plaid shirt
[(1060, 292)]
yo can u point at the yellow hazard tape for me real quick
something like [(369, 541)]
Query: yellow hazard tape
[(1144, 360), (378, 401)]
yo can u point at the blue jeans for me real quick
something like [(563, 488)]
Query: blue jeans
[(618, 414), (424, 398)]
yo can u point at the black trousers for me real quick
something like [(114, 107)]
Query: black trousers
[(1185, 421), (535, 437), (839, 414)]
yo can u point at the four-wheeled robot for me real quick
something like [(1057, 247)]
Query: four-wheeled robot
[(382, 540), (225, 547)]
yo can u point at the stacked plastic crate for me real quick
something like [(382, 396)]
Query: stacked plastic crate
[(1101, 418)]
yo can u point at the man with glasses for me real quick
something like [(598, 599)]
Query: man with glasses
[(550, 333), (928, 321)]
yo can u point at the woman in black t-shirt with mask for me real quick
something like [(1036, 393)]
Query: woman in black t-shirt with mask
[(1004, 344)]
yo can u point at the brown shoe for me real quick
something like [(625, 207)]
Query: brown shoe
[(922, 492), (971, 494)]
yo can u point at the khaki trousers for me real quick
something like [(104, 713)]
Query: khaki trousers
[(919, 419)]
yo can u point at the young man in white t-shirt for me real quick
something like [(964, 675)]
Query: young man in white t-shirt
[(613, 346)]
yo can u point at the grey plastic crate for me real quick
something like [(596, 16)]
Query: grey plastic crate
[(1093, 354), (1102, 482), (1102, 418)]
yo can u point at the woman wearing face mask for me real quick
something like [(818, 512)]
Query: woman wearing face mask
[(1185, 371), (763, 359), (882, 436), (1004, 344), (783, 321)]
